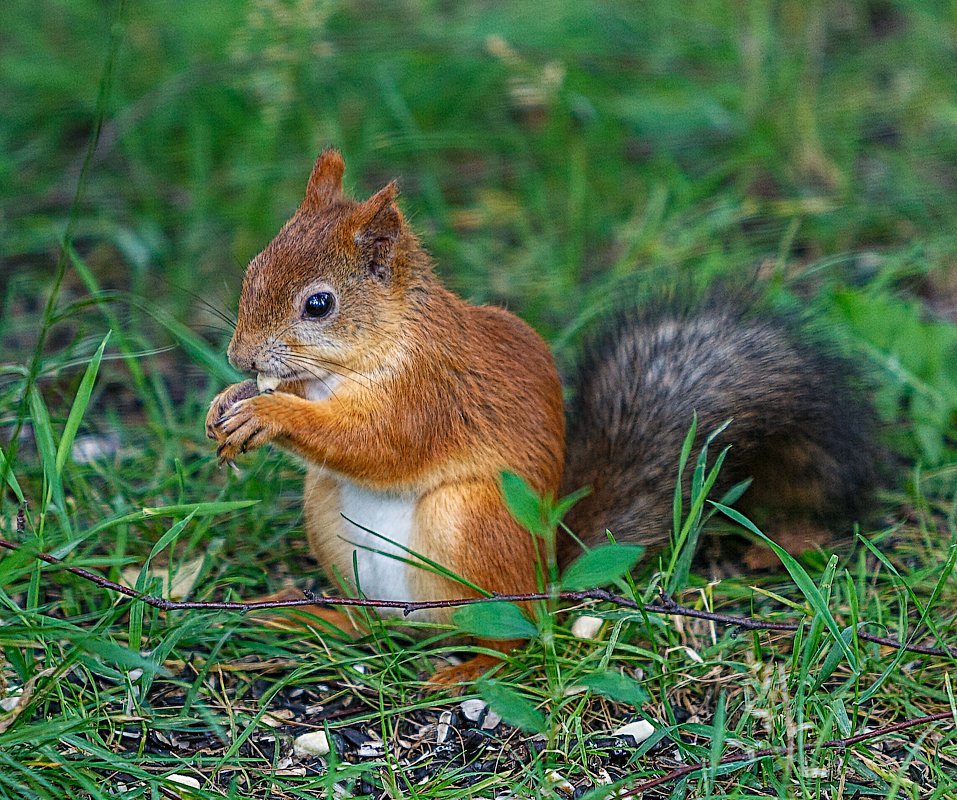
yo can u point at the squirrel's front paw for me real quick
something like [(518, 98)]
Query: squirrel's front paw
[(244, 427), (223, 402)]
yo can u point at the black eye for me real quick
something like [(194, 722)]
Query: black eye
[(318, 305)]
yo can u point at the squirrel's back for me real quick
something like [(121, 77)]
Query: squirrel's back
[(801, 428)]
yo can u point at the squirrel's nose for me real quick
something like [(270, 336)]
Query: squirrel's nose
[(241, 357)]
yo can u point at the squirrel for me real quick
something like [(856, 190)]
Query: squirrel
[(406, 404)]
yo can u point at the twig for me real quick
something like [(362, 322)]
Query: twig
[(832, 744), (668, 606)]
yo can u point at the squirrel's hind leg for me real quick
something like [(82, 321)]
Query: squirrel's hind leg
[(465, 527), (319, 618)]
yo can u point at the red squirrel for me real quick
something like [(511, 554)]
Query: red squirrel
[(406, 403)]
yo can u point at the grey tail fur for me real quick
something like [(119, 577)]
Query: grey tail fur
[(801, 427)]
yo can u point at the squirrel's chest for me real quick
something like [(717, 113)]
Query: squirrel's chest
[(345, 522)]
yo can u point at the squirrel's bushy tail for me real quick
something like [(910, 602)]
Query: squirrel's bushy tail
[(801, 427)]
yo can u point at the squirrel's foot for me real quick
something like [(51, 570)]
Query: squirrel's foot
[(454, 678), (321, 619)]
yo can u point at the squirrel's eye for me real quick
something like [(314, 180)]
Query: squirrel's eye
[(318, 305)]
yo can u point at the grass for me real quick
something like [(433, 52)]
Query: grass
[(552, 156)]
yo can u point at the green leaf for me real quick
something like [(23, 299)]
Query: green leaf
[(682, 462), (522, 502), (43, 435), (798, 574), (162, 543), (563, 506), (114, 653), (832, 660), (718, 733), (601, 566), (500, 620), (512, 707), (6, 469), (616, 686), (80, 402)]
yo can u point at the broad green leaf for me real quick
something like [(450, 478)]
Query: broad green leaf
[(500, 620), (616, 686), (601, 566), (522, 502), (80, 402), (513, 708)]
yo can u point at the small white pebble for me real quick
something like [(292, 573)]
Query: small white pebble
[(277, 718), (134, 675), (87, 449), (639, 731), (266, 383), (444, 727), (586, 627), (371, 750), (9, 703), (314, 743), (559, 782), (492, 719), (473, 709), (183, 780)]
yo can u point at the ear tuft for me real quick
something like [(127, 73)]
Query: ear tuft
[(325, 182), (384, 197)]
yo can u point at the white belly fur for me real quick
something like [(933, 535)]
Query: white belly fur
[(392, 517)]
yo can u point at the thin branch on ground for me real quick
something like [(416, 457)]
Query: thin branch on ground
[(667, 607), (832, 744)]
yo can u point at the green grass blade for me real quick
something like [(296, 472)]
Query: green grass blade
[(78, 409), (46, 446), (682, 463), (6, 469), (798, 574)]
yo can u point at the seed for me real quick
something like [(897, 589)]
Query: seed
[(266, 383)]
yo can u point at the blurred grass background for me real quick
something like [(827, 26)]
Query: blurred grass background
[(557, 157), (547, 152)]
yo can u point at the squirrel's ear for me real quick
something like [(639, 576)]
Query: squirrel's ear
[(377, 224), (325, 182)]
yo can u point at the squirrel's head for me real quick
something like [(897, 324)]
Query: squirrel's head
[(330, 290)]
